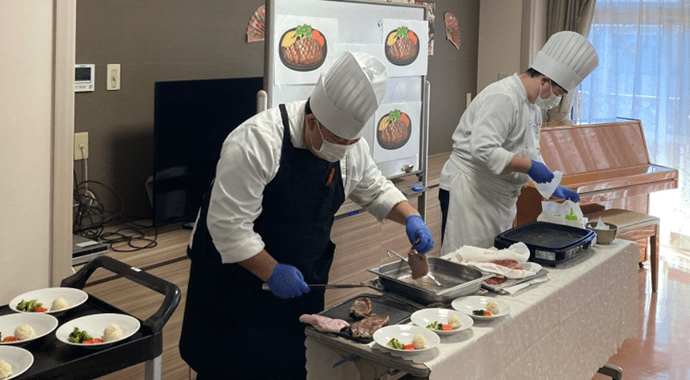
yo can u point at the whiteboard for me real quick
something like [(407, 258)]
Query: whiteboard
[(340, 26)]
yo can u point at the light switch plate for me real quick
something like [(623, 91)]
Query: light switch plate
[(113, 74)]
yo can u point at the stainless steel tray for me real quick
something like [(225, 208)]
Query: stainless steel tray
[(456, 280)]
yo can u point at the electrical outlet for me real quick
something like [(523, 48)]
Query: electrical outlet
[(81, 146)]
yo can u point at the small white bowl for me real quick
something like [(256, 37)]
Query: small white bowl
[(73, 296), (43, 323), (404, 334), (18, 358), (424, 317)]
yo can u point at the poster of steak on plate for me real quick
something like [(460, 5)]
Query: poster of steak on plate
[(402, 46), (393, 130), (303, 48)]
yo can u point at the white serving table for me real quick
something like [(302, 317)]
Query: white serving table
[(564, 328)]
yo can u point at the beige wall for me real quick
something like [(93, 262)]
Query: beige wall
[(510, 33), (28, 132)]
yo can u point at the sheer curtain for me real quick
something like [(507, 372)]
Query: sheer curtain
[(644, 73)]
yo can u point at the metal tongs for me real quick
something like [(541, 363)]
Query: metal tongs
[(389, 252)]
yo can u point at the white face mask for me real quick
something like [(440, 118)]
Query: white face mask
[(551, 102), (329, 151)]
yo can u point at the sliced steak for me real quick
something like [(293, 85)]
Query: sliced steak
[(361, 308), (403, 49), (395, 132), (365, 328), (304, 52), (419, 265)]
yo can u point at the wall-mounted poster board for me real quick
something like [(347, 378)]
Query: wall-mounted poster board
[(305, 37)]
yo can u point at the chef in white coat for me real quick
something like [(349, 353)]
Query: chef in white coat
[(281, 178), (496, 144)]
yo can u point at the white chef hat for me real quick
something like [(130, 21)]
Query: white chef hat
[(567, 58), (346, 97)]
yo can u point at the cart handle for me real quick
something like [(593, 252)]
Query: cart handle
[(169, 290)]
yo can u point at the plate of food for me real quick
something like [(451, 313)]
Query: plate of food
[(21, 328), (394, 130), (48, 300), (303, 48), (479, 307), (406, 338), (14, 361), (442, 321), (402, 46), (97, 330)]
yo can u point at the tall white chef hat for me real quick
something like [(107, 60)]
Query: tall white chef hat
[(346, 97), (567, 58)]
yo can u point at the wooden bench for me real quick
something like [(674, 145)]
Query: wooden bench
[(638, 227)]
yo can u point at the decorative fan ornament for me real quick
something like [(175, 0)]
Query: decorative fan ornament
[(452, 29), (255, 29)]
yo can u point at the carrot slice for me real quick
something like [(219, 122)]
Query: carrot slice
[(315, 34), (40, 309), (10, 338), (404, 118), (446, 328), (409, 346), (412, 36)]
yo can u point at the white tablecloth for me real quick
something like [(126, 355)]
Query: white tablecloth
[(565, 328)]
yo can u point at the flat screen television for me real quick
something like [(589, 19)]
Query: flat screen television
[(191, 120)]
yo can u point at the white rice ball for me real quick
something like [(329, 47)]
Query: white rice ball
[(454, 321), (24, 332), (492, 307), (5, 369), (112, 332), (419, 341), (59, 304)]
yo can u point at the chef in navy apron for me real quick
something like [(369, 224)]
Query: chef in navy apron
[(496, 144), (267, 218)]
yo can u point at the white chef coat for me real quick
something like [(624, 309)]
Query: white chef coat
[(250, 159), (499, 124)]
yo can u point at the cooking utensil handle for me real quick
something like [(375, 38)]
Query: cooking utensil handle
[(397, 254)]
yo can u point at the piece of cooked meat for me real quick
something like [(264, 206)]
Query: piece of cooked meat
[(395, 132), (324, 323), (366, 327), (304, 52), (361, 308), (419, 265), (512, 264), (403, 49)]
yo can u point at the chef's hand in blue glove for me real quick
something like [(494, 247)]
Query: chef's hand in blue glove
[(539, 172), (287, 281), (416, 229), (567, 194)]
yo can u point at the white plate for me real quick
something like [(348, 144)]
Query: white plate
[(74, 298), (17, 357), (404, 334), (424, 317), (470, 303), (95, 324), (43, 323)]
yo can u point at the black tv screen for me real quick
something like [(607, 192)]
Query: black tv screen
[(192, 118)]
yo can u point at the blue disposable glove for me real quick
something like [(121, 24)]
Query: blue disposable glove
[(417, 230), (287, 281), (567, 194), (539, 172)]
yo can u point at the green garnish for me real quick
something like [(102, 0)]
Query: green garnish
[(394, 115), (394, 343), (401, 32), (29, 306), (77, 336), (303, 31), (435, 326), (571, 215)]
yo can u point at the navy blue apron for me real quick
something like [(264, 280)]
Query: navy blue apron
[(232, 328)]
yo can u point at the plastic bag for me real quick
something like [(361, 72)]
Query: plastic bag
[(567, 213), (547, 189)]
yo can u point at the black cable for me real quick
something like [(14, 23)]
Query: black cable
[(92, 218)]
